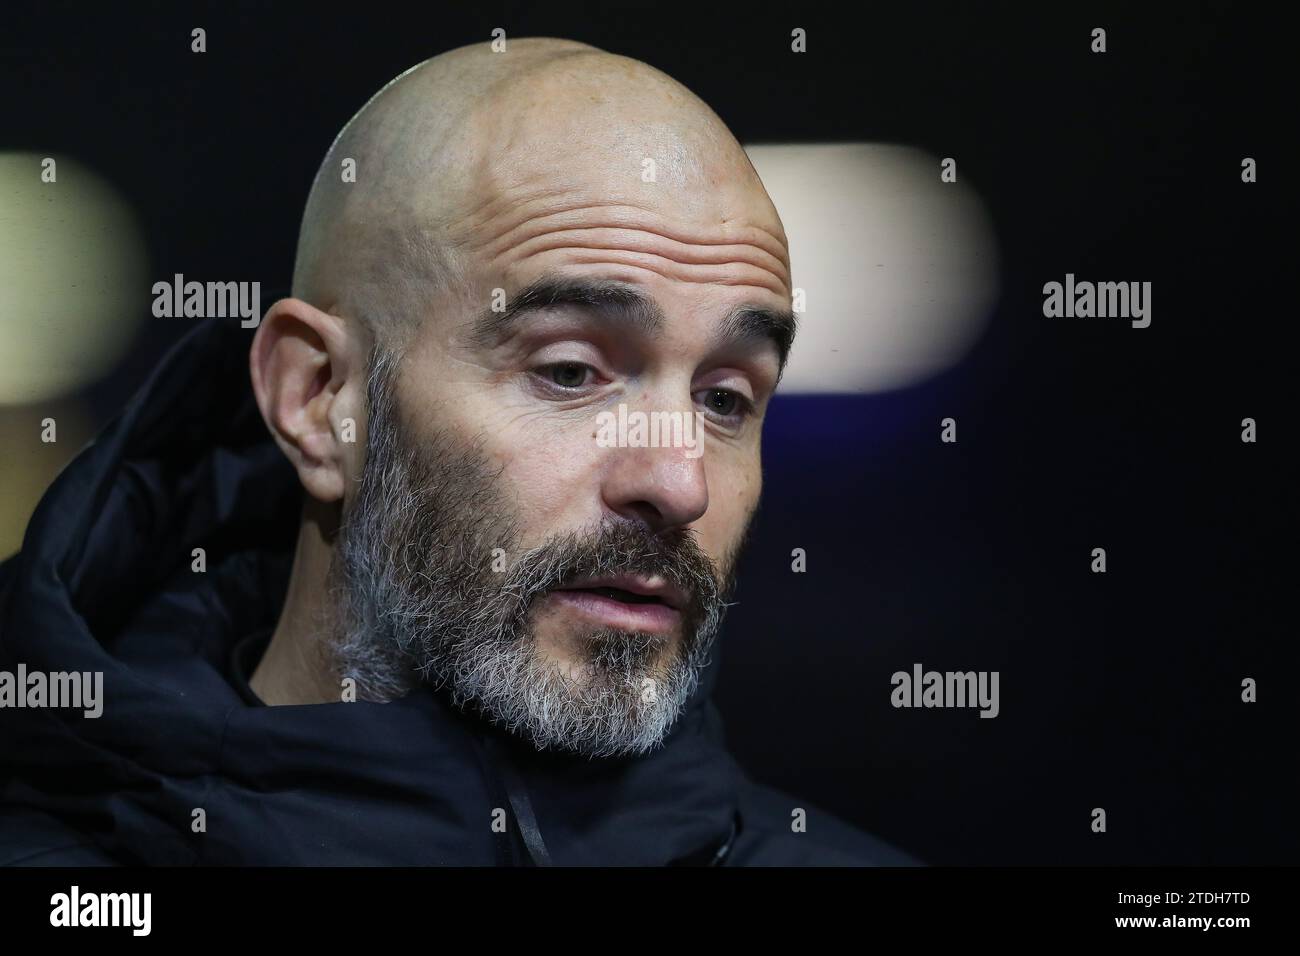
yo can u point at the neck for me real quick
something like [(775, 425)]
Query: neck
[(295, 668)]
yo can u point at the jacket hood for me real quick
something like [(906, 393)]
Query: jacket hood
[(180, 768)]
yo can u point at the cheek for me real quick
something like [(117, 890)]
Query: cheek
[(549, 476), (734, 489), (545, 466)]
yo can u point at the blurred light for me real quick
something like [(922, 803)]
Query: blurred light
[(900, 269), (28, 464), (73, 284)]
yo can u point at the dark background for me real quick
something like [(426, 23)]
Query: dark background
[(1119, 690)]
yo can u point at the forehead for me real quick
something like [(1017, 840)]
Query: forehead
[(563, 180)]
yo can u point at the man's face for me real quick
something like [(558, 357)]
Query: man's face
[(594, 296)]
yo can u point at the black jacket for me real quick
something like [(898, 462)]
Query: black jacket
[(185, 766)]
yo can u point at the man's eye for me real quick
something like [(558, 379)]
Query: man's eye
[(566, 374), (725, 403)]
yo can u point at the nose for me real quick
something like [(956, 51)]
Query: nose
[(663, 485)]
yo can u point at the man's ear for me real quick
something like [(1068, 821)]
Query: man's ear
[(309, 375)]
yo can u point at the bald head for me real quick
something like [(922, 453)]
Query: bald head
[(455, 157)]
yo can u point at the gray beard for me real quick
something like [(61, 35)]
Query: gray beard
[(420, 597)]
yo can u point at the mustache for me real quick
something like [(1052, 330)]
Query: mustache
[(618, 547)]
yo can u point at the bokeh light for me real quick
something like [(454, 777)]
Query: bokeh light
[(900, 269)]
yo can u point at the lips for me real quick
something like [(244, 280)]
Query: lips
[(618, 594), (631, 589), (626, 602)]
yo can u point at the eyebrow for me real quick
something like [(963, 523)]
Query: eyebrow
[(625, 304)]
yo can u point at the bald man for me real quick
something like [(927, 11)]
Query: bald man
[(540, 303)]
